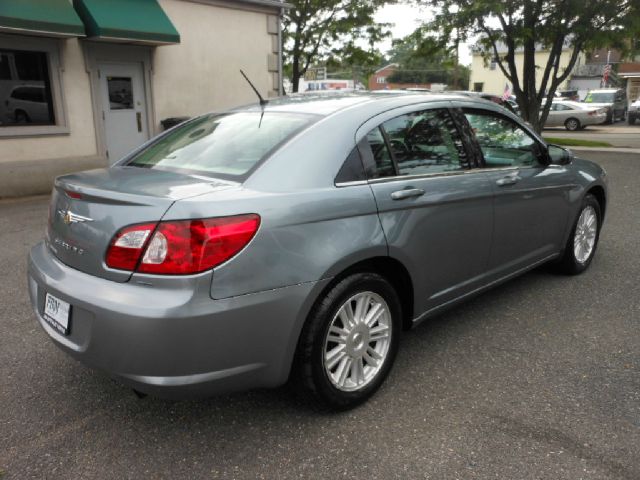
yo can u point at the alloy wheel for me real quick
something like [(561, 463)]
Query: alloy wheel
[(357, 341), (584, 238)]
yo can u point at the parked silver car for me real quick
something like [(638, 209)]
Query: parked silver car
[(574, 115), (243, 249)]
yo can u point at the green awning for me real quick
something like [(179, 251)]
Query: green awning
[(131, 21), (54, 18)]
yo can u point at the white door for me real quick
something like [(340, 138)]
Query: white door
[(124, 108)]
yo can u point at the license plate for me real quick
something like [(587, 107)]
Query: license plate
[(56, 313)]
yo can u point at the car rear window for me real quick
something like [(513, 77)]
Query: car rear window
[(222, 145)]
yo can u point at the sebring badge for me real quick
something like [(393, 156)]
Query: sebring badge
[(69, 217)]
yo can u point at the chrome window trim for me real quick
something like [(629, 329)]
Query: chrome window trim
[(353, 183), (422, 175), (433, 175)]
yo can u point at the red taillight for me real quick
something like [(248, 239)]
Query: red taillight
[(181, 247), (72, 194), (127, 246)]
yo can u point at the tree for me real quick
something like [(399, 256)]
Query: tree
[(502, 28), (313, 28), (424, 58), (352, 61)]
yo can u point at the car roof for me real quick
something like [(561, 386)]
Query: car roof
[(328, 103), (604, 90)]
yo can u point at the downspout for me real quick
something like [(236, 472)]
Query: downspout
[(280, 79)]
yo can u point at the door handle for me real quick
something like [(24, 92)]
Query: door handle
[(510, 179), (407, 193), (139, 120)]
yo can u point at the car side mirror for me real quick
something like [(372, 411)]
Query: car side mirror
[(559, 155)]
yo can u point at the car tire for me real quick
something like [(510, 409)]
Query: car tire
[(610, 118), (338, 362), (583, 241), (21, 117), (572, 124)]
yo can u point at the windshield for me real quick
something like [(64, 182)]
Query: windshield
[(227, 145), (600, 97)]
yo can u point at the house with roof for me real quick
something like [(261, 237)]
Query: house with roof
[(486, 75)]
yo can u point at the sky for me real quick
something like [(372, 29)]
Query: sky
[(406, 19)]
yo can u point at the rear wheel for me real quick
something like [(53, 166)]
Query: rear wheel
[(582, 243), (349, 342), (572, 124), (21, 117)]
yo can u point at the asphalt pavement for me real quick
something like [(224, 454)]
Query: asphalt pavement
[(536, 379)]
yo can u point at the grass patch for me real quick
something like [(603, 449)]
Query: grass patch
[(576, 142)]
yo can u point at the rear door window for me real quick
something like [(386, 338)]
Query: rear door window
[(416, 143), (424, 142)]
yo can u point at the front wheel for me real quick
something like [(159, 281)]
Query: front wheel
[(582, 243), (350, 341)]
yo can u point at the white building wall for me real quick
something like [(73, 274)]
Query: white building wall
[(202, 73)]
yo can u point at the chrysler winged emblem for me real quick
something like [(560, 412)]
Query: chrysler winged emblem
[(68, 217)]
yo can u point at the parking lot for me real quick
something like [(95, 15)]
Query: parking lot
[(537, 379)]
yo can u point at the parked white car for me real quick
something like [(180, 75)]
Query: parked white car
[(574, 115), (27, 104)]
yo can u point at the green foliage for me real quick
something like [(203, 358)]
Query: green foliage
[(424, 58), (319, 30), (576, 142), (500, 28)]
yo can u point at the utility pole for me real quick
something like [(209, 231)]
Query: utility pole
[(456, 60)]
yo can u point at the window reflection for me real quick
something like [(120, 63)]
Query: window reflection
[(25, 89), (503, 143)]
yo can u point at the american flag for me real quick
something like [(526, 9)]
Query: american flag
[(605, 74), (507, 92)]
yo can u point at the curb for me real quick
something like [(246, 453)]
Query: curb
[(606, 149)]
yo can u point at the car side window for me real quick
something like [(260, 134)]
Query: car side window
[(425, 142), (381, 164), (503, 142)]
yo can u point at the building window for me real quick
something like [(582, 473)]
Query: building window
[(30, 87), (25, 86), (478, 86), (381, 80), (493, 65)]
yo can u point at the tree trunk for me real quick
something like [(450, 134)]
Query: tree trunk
[(295, 74)]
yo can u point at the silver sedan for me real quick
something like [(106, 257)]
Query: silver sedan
[(296, 240), (574, 115)]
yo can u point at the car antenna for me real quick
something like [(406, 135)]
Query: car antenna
[(263, 102)]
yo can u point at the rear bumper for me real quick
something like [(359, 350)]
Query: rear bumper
[(594, 119), (177, 341)]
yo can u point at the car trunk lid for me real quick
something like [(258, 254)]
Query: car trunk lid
[(88, 208)]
